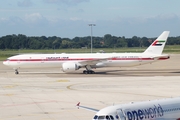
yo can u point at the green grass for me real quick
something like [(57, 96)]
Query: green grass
[(173, 49)]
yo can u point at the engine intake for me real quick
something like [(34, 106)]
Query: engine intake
[(69, 67)]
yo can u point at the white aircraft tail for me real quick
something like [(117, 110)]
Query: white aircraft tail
[(158, 45)]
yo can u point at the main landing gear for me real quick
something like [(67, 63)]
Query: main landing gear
[(88, 70)]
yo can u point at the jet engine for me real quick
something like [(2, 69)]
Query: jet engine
[(69, 67)]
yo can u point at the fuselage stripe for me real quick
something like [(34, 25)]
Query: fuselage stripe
[(82, 59)]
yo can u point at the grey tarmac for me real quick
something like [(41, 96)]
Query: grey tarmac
[(40, 94)]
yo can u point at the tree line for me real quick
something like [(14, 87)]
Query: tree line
[(108, 41)]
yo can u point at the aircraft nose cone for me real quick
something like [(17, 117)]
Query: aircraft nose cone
[(5, 62)]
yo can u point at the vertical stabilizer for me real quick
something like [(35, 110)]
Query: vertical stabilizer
[(158, 45)]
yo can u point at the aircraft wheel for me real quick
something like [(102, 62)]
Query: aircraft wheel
[(91, 72), (16, 72), (88, 72), (85, 72)]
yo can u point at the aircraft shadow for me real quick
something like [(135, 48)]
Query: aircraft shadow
[(111, 73)]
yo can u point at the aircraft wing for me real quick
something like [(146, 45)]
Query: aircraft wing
[(93, 61), (86, 108)]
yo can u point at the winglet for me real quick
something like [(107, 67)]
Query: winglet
[(78, 105), (158, 45)]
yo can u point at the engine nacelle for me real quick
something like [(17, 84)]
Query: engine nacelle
[(69, 67)]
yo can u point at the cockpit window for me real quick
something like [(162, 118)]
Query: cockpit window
[(107, 117), (101, 117), (95, 117), (112, 118)]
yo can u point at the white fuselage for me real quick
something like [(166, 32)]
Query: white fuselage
[(56, 60), (73, 62), (165, 109)]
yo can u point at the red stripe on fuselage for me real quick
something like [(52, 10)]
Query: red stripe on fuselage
[(81, 59)]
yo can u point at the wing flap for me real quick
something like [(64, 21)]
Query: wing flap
[(93, 62)]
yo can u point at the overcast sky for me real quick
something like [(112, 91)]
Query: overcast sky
[(70, 18)]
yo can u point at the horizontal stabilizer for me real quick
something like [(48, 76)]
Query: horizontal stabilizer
[(161, 57)]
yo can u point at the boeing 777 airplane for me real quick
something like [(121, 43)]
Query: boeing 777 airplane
[(165, 109), (73, 62)]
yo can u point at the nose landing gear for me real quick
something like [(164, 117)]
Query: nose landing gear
[(16, 71)]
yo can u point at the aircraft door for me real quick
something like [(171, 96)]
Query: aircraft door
[(140, 59), (18, 61), (42, 60), (121, 114)]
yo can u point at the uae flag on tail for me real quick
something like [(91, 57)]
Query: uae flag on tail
[(158, 42)]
